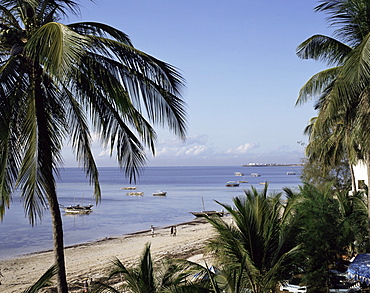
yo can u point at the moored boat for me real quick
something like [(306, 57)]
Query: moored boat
[(207, 213), (78, 209), (290, 173), (232, 184), (129, 188), (255, 175), (160, 193), (239, 174), (139, 193)]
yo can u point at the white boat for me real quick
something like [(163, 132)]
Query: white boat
[(255, 175), (160, 193), (239, 174), (78, 209), (232, 184)]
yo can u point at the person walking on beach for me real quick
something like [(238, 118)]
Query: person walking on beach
[(152, 230), (171, 230), (174, 231)]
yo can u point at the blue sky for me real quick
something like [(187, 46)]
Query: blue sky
[(243, 76)]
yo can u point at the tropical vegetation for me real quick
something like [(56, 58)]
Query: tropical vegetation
[(341, 128), (60, 82), (269, 239), (259, 243), (171, 276)]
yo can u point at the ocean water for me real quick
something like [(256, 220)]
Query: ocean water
[(118, 214)]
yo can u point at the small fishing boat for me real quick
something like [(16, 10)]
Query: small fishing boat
[(160, 193), (255, 175), (290, 173), (78, 209), (239, 174), (232, 184), (207, 213), (138, 193), (129, 188)]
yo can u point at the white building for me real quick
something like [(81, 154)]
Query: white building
[(360, 172)]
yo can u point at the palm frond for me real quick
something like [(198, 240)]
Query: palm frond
[(317, 84), (323, 48), (44, 281), (58, 48)]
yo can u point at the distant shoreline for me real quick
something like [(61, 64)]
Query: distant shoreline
[(274, 165)]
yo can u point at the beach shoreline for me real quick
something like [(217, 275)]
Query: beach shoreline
[(91, 260)]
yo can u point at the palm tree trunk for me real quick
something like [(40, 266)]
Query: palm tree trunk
[(45, 165), (367, 159), (58, 242)]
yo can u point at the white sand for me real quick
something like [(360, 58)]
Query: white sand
[(91, 260)]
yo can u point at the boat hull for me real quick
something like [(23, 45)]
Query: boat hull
[(78, 209), (207, 213)]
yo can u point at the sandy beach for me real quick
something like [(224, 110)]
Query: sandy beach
[(91, 260)]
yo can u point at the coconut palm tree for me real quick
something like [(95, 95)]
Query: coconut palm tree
[(259, 242), (343, 89), (332, 145), (57, 83)]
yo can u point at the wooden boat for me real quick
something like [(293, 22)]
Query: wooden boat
[(78, 209), (138, 193), (232, 184), (207, 213), (242, 181), (129, 188), (160, 193)]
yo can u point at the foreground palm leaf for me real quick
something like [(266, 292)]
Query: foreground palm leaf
[(172, 276), (55, 81), (43, 281)]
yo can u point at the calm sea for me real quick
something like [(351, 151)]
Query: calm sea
[(117, 214)]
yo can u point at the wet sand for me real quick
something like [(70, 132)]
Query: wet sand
[(91, 260)]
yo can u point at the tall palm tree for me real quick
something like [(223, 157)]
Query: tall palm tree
[(259, 241), (344, 87), (58, 82)]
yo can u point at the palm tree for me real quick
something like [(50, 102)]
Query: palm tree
[(57, 83), (343, 89), (173, 276), (259, 242), (332, 146)]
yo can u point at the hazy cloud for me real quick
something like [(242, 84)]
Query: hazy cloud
[(242, 149)]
